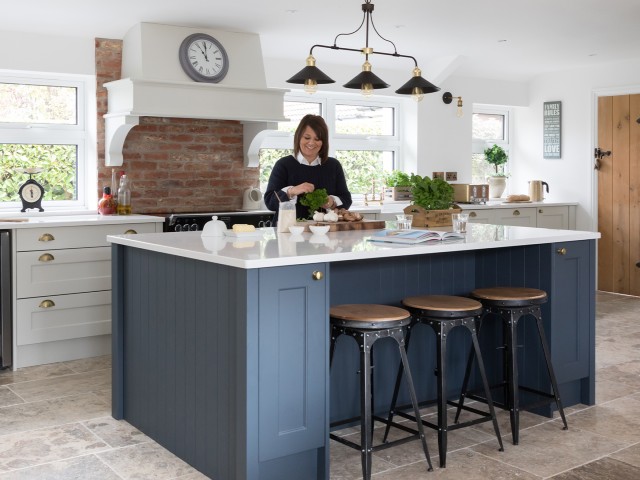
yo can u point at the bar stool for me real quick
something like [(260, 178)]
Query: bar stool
[(367, 323), (443, 313), (512, 304)]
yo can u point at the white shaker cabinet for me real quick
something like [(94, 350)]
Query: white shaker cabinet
[(521, 216), (63, 291)]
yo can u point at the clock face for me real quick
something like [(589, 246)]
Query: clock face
[(203, 58)]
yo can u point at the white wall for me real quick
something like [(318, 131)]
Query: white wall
[(571, 178)]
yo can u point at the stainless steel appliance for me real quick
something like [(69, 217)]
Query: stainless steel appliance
[(190, 222), (470, 193), (6, 339)]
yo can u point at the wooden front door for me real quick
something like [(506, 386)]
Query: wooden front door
[(619, 194)]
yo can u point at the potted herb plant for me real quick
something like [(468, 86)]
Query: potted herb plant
[(497, 157), (398, 186), (432, 202)]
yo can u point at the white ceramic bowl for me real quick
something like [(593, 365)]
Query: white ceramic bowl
[(296, 229), (319, 229)]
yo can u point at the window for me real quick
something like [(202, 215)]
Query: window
[(43, 126), (490, 126), (363, 136)]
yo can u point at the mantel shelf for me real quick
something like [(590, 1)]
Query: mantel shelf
[(130, 99)]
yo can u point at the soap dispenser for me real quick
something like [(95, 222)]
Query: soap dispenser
[(214, 228)]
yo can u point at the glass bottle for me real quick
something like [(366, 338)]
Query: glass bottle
[(107, 205), (124, 196), (114, 186)]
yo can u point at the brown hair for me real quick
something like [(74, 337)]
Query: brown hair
[(319, 126)]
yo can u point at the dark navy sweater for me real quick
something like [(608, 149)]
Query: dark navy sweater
[(289, 172)]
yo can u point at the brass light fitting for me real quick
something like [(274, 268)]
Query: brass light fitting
[(448, 98), (311, 76)]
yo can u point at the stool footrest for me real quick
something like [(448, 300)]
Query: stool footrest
[(484, 416), (414, 434)]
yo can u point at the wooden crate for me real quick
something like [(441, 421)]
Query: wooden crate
[(398, 193), (430, 218)]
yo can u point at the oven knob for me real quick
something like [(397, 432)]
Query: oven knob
[(193, 227), (178, 228)]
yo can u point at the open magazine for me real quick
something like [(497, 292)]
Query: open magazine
[(415, 236)]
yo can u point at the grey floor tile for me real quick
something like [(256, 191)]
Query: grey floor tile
[(35, 415), (604, 469), (8, 397), (629, 455), (145, 461), (64, 385), (547, 450), (8, 377), (83, 468), (89, 364), (617, 420), (27, 449), (117, 433)]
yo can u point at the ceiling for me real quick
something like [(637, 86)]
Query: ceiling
[(506, 39)]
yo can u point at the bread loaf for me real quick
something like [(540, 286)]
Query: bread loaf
[(518, 198), (243, 227)]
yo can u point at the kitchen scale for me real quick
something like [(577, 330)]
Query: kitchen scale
[(31, 192)]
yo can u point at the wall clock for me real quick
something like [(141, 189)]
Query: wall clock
[(31, 192), (203, 58)]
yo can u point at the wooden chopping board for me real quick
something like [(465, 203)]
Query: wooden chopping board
[(342, 226)]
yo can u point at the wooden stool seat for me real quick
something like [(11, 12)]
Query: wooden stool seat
[(513, 296), (370, 313), (443, 303)]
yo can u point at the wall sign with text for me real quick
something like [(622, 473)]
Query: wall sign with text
[(551, 121)]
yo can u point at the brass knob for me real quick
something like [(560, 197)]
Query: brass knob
[(562, 251), (128, 232), (540, 211), (516, 212), (317, 275), (46, 237), (47, 304), (46, 257), (473, 215)]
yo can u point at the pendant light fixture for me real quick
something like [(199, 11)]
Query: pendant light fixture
[(366, 81)]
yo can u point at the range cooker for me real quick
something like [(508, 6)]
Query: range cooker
[(190, 222)]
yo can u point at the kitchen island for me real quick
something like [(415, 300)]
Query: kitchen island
[(220, 345)]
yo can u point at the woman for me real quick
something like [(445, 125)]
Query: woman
[(309, 168)]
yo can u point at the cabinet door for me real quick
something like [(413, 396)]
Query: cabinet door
[(59, 272), (481, 215), (293, 336), (522, 217), (63, 317), (553, 217)]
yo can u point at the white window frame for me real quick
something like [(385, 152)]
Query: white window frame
[(328, 102), (82, 134), (478, 146)]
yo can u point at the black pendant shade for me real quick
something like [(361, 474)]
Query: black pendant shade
[(310, 73), (366, 81), (417, 82), (364, 78)]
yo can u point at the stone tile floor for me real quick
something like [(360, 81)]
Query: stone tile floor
[(55, 423)]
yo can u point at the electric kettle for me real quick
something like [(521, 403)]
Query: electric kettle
[(536, 190)]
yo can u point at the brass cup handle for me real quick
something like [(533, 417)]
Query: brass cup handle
[(561, 251), (47, 304), (46, 257), (317, 275), (46, 237), (540, 211), (516, 212), (129, 232), (473, 215)]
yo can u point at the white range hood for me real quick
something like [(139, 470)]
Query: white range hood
[(154, 84)]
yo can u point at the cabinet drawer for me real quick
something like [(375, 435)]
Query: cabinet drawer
[(54, 238), (60, 272), (553, 217), (523, 217), (481, 215), (47, 319)]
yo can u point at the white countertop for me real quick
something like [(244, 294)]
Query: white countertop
[(269, 249), (398, 207), (36, 221)]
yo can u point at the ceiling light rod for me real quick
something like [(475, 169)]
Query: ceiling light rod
[(366, 80)]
